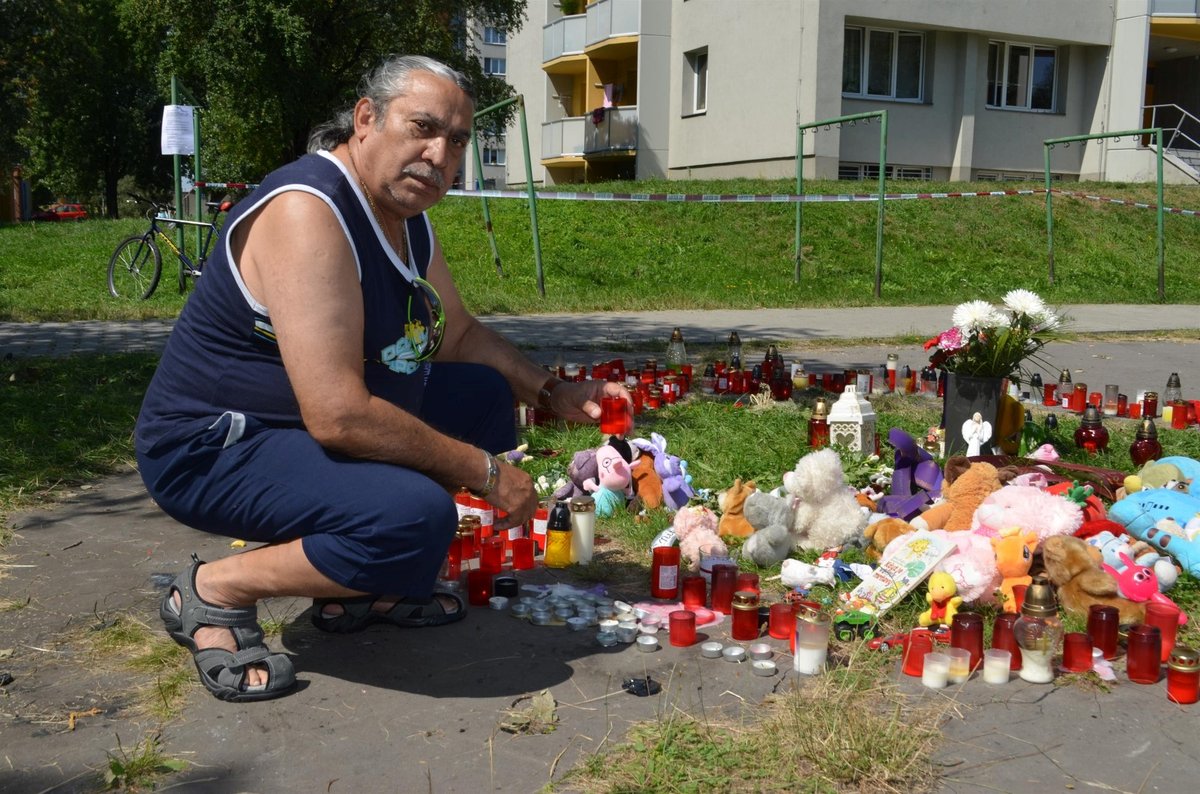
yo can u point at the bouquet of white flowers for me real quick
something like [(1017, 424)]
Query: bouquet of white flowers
[(995, 341)]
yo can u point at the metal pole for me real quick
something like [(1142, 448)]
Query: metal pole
[(883, 132), (799, 192), (533, 221), (178, 184), (1162, 293), (1049, 213), (487, 214), (198, 210)]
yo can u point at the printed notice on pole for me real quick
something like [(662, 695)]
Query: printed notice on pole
[(178, 135)]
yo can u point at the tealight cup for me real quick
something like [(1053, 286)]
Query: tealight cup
[(711, 650), (647, 643)]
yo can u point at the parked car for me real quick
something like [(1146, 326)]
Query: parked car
[(61, 212)]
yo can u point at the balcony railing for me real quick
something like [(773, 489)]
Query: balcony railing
[(1173, 8), (617, 132), (563, 138), (563, 36), (608, 18)]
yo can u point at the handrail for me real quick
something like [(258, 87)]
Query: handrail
[(1177, 130)]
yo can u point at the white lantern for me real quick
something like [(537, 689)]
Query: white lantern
[(852, 423)]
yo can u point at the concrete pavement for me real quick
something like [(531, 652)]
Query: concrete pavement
[(406, 710)]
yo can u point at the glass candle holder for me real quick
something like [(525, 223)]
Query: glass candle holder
[(1077, 652), (522, 554), (614, 416), (1122, 405), (1183, 675), (1143, 654), (1004, 639), (694, 590), (811, 642), (1150, 405), (479, 587), (997, 665), (724, 581), (664, 573), (1102, 624), (745, 615), (452, 567), (491, 556), (747, 581), (1166, 618), (682, 628), (966, 632), (1179, 415), (781, 621)]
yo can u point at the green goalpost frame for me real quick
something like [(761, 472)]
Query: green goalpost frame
[(519, 100), (1050, 143), (177, 89), (882, 115)]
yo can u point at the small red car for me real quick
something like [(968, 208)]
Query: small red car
[(61, 212), (939, 634)]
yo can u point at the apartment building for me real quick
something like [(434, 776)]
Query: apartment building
[(492, 45), (682, 89)]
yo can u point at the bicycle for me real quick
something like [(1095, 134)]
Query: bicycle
[(135, 267)]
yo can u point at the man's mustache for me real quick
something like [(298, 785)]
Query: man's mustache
[(425, 173)]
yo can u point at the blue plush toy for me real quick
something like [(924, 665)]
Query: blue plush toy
[(1141, 513)]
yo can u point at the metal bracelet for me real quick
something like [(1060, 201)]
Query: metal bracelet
[(493, 476)]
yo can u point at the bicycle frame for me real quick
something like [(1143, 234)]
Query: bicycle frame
[(191, 268)]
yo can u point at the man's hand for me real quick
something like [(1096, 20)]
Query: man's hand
[(514, 493), (580, 402)]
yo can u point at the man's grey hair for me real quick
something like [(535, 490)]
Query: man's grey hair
[(388, 81)]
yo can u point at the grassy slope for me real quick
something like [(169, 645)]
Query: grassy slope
[(622, 255)]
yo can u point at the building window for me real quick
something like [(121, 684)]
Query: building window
[(493, 155), (495, 66), (696, 98), (883, 64), (1021, 76), (493, 35), (862, 171)]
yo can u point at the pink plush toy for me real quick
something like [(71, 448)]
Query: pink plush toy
[(972, 565), (1139, 583), (696, 528), (613, 486), (1028, 507)]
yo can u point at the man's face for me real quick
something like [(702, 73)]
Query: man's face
[(414, 154)]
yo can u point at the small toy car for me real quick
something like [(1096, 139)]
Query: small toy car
[(939, 634), (854, 625)]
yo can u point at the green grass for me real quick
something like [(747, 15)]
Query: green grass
[(620, 255)]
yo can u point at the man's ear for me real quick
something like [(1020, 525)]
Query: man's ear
[(364, 115)]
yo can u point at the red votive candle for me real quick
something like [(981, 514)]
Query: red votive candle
[(747, 581), (452, 568), (491, 556), (1183, 675), (613, 416), (1049, 394), (664, 573), (781, 621), (724, 581), (683, 627), (1019, 596), (1077, 652), (1143, 654), (745, 615), (1166, 619), (1004, 638), (919, 643), (1179, 415), (1103, 622), (966, 631), (479, 587), (522, 554), (694, 590)]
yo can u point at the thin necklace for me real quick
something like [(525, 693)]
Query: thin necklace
[(401, 249)]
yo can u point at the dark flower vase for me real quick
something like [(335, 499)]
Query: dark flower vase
[(965, 396)]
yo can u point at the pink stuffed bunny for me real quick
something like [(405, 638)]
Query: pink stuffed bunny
[(1139, 583)]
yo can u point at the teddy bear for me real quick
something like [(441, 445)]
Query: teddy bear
[(696, 528), (771, 518), (1029, 507), (1074, 569), (965, 487), (733, 519), (827, 515), (882, 530), (647, 485), (1014, 557)]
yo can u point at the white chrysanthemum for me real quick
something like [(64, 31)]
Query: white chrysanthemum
[(1022, 301), (974, 315)]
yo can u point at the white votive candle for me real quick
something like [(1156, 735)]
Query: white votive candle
[(936, 670), (996, 662), (809, 661), (960, 664)]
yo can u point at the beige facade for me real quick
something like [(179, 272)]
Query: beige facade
[(716, 88)]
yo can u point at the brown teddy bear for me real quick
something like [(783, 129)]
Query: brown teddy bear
[(882, 532), (1073, 566), (733, 521), (646, 482), (965, 487)]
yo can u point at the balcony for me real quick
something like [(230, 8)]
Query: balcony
[(1173, 8), (617, 134), (563, 36), (563, 138), (608, 19)]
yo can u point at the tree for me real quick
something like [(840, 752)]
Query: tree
[(266, 72), (87, 107)]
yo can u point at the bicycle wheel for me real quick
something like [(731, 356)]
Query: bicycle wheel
[(135, 268)]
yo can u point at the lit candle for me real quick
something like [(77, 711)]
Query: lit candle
[(960, 665)]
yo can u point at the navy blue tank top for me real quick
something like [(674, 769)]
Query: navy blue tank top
[(222, 355)]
